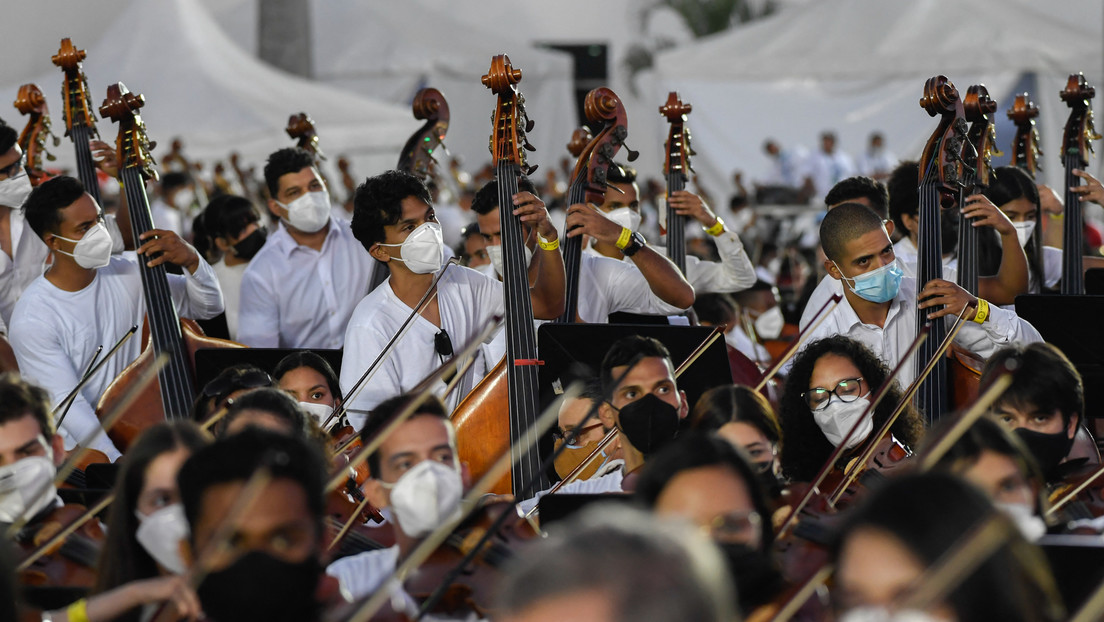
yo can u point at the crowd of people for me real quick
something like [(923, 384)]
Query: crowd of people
[(731, 505)]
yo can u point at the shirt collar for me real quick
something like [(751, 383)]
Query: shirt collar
[(287, 245)]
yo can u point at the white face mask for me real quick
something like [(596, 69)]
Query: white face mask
[(161, 532), (183, 199), (421, 250), (489, 268), (880, 614), (310, 212), (1031, 526), (769, 324), (835, 421), (27, 487), (1024, 231), (320, 412), (425, 497), (495, 253), (93, 250), (14, 190), (626, 217)]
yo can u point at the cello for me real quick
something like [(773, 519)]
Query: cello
[(32, 140), (677, 166), (171, 396), (1076, 147), (493, 417)]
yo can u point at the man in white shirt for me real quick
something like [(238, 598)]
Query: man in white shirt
[(733, 273), (650, 284), (172, 208), (394, 221), (879, 305), (24, 256), (877, 162), (300, 289), (827, 167), (90, 298)]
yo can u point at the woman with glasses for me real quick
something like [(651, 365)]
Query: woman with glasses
[(828, 391)]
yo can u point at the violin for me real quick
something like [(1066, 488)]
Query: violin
[(171, 396), (32, 140), (503, 406), (677, 166), (71, 563), (1076, 147)]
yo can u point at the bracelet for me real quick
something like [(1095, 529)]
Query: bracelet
[(717, 229), (78, 611), (623, 240), (982, 311), (546, 245)]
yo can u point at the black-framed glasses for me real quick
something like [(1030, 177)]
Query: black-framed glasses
[(847, 390), (571, 437)]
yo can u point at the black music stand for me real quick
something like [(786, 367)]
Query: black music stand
[(1094, 281), (1078, 566), (209, 362), (1073, 325), (556, 508)]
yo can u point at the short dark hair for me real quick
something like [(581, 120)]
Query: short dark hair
[(306, 358), (42, 206), (1008, 183), (383, 413), (626, 351), (270, 400), (174, 180), (695, 450), (282, 162), (1043, 378), (227, 215), (8, 137), (903, 186), (805, 447), (845, 223), (378, 203), (621, 173), (236, 458), (715, 309), (486, 199), (19, 398), (745, 296), (736, 403), (234, 378), (860, 187)]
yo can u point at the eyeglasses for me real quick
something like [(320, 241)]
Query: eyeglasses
[(735, 527), (847, 390), (14, 168), (571, 437)]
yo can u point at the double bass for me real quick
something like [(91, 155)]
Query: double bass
[(32, 140), (1025, 143), (1076, 147), (677, 167), (171, 396), (80, 117)]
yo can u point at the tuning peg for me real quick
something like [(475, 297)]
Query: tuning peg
[(529, 123), (632, 155), (51, 157), (960, 126), (528, 147), (531, 170)]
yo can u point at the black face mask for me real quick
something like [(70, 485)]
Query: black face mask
[(250, 244), (756, 579), (1048, 449), (260, 587), (649, 423)]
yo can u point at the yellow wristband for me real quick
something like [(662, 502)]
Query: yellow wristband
[(546, 245), (717, 229), (982, 311), (78, 611), (626, 237)]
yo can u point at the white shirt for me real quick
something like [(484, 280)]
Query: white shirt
[(293, 296), (467, 300), (230, 280), (828, 169), (167, 217), (1052, 270), (739, 339), (55, 333), (890, 342), (877, 164), (608, 483), (27, 262)]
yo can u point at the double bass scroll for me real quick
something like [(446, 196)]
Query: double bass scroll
[(32, 140)]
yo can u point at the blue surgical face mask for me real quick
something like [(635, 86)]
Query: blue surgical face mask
[(878, 285)]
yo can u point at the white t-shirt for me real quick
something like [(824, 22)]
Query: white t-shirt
[(467, 300), (167, 217), (26, 263), (55, 333), (608, 483), (230, 280)]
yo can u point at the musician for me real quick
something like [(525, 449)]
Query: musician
[(706, 480), (417, 477), (90, 298), (224, 388), (394, 221), (879, 303), (171, 208), (828, 389), (301, 287), (273, 570), (30, 452), (582, 435), (1043, 406), (722, 310), (619, 565), (906, 527), (860, 189), (473, 253), (233, 226), (24, 255), (268, 408), (309, 379), (743, 417), (606, 286), (622, 206), (877, 162), (826, 167)]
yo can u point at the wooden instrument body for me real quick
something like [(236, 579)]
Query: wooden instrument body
[(482, 427), (72, 563)]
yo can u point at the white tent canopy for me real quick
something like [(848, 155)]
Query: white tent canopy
[(856, 66), (201, 86)]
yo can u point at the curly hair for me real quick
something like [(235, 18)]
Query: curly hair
[(805, 447), (378, 203)]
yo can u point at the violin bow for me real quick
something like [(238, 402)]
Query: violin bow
[(427, 297), (1073, 492), (795, 602), (799, 341), (468, 504), (410, 408), (1091, 610), (93, 368), (826, 468), (579, 468)]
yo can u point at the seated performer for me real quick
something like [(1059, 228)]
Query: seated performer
[(394, 221), (90, 298)]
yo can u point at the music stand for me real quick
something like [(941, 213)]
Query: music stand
[(209, 362)]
